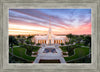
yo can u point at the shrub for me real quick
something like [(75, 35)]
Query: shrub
[(62, 43), (38, 44), (32, 43), (66, 43), (30, 49), (70, 49), (27, 42)]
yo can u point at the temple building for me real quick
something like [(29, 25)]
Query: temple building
[(50, 38)]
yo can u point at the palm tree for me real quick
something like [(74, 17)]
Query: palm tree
[(87, 40), (22, 39), (18, 36), (12, 41), (69, 36), (30, 39)]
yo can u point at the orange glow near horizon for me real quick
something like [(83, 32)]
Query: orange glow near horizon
[(36, 21), (31, 30)]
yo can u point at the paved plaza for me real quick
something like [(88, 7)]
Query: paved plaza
[(50, 55)]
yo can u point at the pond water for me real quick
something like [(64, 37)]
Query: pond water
[(47, 50)]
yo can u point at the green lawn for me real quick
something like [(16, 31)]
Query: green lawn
[(21, 52), (79, 52)]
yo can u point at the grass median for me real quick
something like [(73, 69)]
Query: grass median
[(21, 52)]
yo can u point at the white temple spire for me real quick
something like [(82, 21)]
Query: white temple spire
[(49, 24), (49, 32)]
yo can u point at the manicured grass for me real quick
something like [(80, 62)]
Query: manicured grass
[(21, 52), (79, 52), (14, 59)]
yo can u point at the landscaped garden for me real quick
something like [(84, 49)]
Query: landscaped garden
[(30, 49), (78, 49), (21, 52), (21, 47), (63, 48), (78, 53), (16, 59), (68, 49)]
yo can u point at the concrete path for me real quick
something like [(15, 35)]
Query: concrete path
[(50, 55)]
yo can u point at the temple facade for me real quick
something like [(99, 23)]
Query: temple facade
[(50, 38)]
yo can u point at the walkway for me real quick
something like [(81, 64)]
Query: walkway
[(50, 55)]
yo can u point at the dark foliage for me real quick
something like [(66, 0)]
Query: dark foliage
[(87, 40), (85, 59), (30, 49), (62, 43), (38, 44), (12, 41), (14, 59)]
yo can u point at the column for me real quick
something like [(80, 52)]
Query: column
[(40, 41), (60, 42), (56, 41), (45, 41)]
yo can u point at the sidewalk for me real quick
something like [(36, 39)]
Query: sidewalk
[(50, 55)]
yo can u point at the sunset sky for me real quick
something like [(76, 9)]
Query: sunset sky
[(36, 21)]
